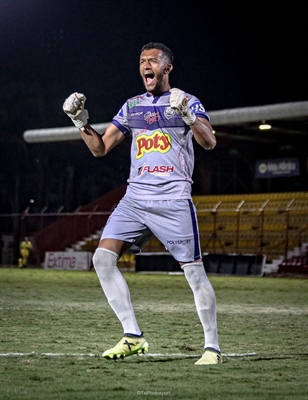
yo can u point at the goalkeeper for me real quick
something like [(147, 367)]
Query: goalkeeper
[(162, 123)]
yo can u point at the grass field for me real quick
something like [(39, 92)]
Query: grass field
[(55, 326)]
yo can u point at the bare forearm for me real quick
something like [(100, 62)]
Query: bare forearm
[(93, 140), (203, 134), (101, 144)]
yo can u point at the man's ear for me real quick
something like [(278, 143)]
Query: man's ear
[(168, 68)]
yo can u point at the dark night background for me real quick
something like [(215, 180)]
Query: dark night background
[(229, 54)]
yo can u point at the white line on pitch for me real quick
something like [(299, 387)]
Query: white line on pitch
[(175, 355)]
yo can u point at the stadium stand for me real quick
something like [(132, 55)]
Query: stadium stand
[(270, 225), (294, 265)]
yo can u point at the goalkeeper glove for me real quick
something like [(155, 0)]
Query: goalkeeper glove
[(74, 108), (179, 103)]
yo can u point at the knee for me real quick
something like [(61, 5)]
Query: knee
[(194, 271), (104, 258)]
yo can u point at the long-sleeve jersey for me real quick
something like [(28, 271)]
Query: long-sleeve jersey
[(162, 154)]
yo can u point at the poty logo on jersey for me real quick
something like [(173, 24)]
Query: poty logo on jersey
[(157, 170), (151, 117), (159, 142)]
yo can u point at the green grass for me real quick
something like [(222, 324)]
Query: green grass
[(66, 313)]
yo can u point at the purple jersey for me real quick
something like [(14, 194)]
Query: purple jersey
[(162, 154)]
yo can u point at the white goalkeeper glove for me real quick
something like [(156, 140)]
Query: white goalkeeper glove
[(179, 103), (74, 108)]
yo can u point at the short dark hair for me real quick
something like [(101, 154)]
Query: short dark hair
[(160, 46)]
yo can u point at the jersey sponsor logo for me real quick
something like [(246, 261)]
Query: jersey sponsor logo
[(157, 142), (140, 132), (181, 242), (151, 117), (157, 170), (169, 112), (134, 101), (197, 108), (136, 114)]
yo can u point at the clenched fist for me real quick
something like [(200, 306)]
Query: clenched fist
[(74, 108), (179, 103)]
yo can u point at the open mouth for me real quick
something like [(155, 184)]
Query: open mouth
[(148, 77)]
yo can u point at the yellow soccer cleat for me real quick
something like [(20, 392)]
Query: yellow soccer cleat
[(211, 356), (127, 346)]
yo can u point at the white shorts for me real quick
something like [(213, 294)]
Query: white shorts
[(173, 222)]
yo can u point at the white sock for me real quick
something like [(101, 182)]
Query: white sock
[(115, 289), (205, 301)]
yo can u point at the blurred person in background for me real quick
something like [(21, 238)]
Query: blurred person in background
[(25, 249)]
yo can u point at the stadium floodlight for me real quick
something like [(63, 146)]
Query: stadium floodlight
[(264, 126)]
